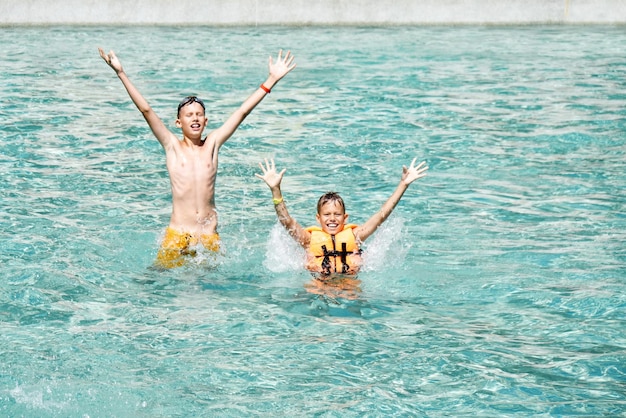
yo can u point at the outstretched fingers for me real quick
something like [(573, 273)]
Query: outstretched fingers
[(111, 60), (106, 57), (421, 167), (414, 172), (269, 174), (268, 168), (282, 65), (289, 60), (264, 168), (269, 165)]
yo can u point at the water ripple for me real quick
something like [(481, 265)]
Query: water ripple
[(496, 288)]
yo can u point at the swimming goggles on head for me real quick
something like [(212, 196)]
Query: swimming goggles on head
[(189, 100)]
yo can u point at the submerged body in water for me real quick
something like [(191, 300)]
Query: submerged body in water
[(336, 286)]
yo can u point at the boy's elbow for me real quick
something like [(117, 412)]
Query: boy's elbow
[(146, 111), (288, 224), (243, 115)]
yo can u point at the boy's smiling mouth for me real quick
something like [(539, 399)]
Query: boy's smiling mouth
[(331, 227)]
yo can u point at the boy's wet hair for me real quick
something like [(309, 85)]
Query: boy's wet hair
[(189, 100), (330, 197)]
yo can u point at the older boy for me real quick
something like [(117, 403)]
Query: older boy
[(333, 248), (192, 161)]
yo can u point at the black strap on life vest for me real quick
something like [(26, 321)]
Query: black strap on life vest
[(326, 261), (343, 256)]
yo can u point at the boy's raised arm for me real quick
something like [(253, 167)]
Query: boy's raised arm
[(273, 180), (277, 70), (160, 131), (409, 175)]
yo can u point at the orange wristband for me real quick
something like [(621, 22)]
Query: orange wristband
[(265, 89)]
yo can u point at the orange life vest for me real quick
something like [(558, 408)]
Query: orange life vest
[(328, 254)]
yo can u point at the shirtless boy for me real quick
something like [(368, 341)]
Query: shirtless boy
[(192, 161), (333, 249)]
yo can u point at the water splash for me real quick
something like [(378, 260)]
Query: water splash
[(282, 253), (387, 246)]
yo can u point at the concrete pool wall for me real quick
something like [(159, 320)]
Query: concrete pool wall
[(310, 12)]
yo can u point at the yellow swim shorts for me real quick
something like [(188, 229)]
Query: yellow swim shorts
[(177, 245)]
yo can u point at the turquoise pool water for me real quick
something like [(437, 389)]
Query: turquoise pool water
[(497, 288)]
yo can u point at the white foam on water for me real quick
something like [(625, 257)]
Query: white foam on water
[(282, 253), (386, 247)]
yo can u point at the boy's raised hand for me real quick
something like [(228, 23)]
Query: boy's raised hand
[(409, 175), (111, 59), (282, 65), (270, 176)]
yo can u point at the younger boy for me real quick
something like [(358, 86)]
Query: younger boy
[(333, 248), (192, 161)]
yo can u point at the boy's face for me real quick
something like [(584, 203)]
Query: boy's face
[(192, 120), (332, 217)]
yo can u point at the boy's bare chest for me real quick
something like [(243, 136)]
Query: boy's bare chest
[(191, 166), (196, 158)]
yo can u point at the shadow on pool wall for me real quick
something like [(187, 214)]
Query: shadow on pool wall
[(320, 12)]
